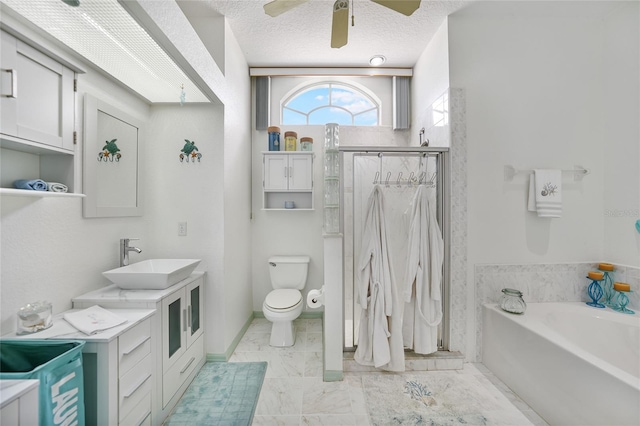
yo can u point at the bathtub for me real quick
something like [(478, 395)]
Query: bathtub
[(573, 364)]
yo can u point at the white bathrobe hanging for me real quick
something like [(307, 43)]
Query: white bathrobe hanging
[(421, 289), (380, 336)]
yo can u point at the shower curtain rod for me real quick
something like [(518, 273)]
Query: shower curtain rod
[(394, 149)]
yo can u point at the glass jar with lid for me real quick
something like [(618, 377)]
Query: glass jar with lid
[(290, 141), (274, 138), (512, 301)]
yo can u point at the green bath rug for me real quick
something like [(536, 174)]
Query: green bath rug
[(223, 393)]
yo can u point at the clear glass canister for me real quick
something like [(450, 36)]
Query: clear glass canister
[(34, 317), (290, 141), (274, 138), (512, 301), (306, 144)]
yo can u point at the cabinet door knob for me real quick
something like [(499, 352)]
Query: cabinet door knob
[(184, 320)]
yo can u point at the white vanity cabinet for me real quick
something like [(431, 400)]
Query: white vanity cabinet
[(118, 367), (19, 402), (287, 176), (179, 351), (182, 347)]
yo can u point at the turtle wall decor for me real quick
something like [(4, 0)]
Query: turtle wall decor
[(110, 152), (189, 152)]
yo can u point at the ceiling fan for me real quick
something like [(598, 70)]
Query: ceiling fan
[(340, 23)]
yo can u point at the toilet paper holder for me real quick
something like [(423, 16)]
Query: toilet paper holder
[(315, 298)]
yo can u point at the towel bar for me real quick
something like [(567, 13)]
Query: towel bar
[(578, 172)]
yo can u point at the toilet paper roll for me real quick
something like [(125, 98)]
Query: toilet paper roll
[(315, 298)]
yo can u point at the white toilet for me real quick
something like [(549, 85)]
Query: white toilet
[(284, 303)]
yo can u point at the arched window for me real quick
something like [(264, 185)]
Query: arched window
[(330, 103)]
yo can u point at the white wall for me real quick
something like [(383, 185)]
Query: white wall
[(534, 99), (228, 301), (300, 232), (237, 192), (621, 109), (188, 192), (48, 250), (286, 232), (430, 81)]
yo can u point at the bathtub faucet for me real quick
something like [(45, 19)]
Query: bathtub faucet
[(125, 249)]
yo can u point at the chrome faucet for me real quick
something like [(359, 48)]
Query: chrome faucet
[(125, 249)]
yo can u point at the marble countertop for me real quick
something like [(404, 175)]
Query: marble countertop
[(113, 293), (61, 329), (10, 390)]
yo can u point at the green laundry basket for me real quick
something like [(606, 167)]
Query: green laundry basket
[(58, 366)]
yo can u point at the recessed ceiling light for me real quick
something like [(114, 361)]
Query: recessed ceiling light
[(377, 60)]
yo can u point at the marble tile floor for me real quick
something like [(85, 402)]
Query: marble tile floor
[(293, 392)]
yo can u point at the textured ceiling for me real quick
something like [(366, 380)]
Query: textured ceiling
[(301, 37)]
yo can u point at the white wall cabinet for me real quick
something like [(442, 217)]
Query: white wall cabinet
[(37, 96), (37, 105), (179, 351), (287, 176)]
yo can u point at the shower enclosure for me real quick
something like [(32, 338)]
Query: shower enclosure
[(400, 171)]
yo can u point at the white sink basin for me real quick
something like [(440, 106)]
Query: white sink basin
[(152, 274)]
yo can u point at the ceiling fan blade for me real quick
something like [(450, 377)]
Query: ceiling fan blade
[(340, 24), (406, 7), (278, 7)]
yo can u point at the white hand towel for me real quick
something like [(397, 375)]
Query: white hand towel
[(545, 192), (93, 320), (57, 187)]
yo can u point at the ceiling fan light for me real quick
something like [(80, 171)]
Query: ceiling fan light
[(377, 60)]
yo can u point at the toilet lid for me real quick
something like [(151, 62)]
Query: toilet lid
[(283, 298)]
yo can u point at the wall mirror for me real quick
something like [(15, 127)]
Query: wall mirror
[(112, 158)]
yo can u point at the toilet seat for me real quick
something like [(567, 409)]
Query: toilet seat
[(283, 299)]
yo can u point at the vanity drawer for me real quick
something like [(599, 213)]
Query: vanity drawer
[(134, 345), (183, 367), (140, 415), (134, 387)]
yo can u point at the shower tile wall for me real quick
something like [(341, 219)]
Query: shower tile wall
[(458, 276), (542, 283)]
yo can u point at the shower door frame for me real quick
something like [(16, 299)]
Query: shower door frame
[(443, 209)]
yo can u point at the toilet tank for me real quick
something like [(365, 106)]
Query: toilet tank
[(289, 271)]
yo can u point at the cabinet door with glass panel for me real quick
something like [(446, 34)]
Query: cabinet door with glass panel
[(182, 321), (195, 308), (174, 338)]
